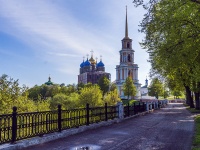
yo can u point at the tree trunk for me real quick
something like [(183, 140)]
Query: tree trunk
[(189, 99), (196, 94)]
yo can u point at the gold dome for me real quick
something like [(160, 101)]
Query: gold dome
[(92, 61)]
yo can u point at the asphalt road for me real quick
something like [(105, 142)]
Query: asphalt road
[(170, 128)]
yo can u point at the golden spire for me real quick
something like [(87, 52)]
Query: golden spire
[(126, 26)]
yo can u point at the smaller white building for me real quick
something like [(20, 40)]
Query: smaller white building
[(144, 89)]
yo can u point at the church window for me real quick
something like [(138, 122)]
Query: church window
[(128, 45)]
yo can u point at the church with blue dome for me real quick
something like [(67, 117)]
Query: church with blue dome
[(91, 70)]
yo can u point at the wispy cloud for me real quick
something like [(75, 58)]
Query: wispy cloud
[(55, 33)]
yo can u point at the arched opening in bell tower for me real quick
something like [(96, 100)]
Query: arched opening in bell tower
[(129, 58)]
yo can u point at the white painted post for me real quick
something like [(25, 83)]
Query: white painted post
[(120, 110), (147, 106), (150, 106), (156, 105)]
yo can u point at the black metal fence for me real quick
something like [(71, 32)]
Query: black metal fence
[(134, 109), (17, 126)]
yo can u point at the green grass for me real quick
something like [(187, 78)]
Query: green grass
[(196, 140), (192, 110)]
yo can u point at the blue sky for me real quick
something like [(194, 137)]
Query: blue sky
[(42, 37)]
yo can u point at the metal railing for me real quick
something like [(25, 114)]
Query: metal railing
[(134, 109), (18, 126)]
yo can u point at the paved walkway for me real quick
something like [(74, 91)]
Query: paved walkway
[(170, 128)]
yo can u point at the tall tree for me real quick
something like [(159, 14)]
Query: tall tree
[(173, 39), (112, 97), (113, 87), (129, 88), (156, 88), (91, 95), (104, 83)]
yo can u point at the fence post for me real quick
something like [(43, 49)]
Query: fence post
[(106, 112), (59, 118), (87, 115), (120, 108), (14, 125), (147, 106), (128, 110)]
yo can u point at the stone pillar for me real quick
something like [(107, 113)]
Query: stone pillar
[(147, 106), (120, 74), (156, 105), (120, 110), (116, 74), (150, 106)]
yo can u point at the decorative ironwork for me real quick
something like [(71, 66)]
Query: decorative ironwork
[(14, 127)]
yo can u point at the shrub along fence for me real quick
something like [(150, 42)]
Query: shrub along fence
[(18, 126)]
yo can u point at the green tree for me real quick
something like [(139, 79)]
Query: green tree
[(91, 95), (172, 40), (34, 92), (104, 83), (80, 86), (67, 101), (112, 97), (129, 88), (9, 93), (155, 88), (113, 87)]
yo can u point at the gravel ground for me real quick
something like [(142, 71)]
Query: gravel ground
[(170, 128)]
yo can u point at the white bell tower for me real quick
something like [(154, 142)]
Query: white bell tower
[(126, 66)]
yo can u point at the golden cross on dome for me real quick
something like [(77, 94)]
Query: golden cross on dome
[(92, 52), (100, 57)]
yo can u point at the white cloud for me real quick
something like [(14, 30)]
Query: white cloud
[(62, 38)]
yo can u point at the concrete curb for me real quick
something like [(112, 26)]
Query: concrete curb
[(65, 133)]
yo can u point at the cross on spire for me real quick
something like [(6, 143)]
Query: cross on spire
[(92, 53), (87, 55)]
